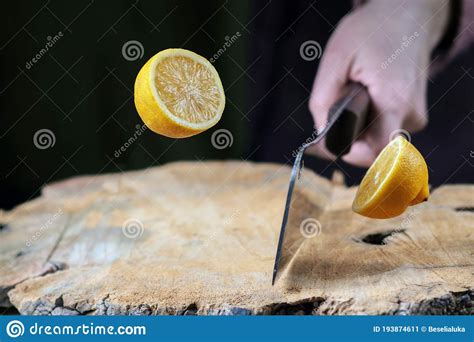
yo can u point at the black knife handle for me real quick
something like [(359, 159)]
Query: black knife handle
[(352, 109)]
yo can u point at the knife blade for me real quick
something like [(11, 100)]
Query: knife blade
[(347, 118)]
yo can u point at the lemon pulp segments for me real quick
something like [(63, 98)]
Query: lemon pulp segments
[(179, 94), (187, 88)]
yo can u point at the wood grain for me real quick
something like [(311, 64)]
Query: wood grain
[(205, 242)]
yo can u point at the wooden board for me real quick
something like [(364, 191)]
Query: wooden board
[(200, 238)]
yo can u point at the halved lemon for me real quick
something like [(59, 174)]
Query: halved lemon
[(398, 178), (179, 94)]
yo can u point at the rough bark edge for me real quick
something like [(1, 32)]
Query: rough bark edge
[(452, 303)]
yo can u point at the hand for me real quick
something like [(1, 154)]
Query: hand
[(386, 46)]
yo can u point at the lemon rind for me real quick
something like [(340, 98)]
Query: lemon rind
[(369, 205)]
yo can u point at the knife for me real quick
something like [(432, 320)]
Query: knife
[(347, 118)]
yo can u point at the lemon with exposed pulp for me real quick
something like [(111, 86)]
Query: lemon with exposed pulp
[(179, 94), (398, 178)]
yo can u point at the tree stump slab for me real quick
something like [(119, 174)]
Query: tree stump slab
[(200, 238)]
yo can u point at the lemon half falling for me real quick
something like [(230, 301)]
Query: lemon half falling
[(398, 178), (179, 94)]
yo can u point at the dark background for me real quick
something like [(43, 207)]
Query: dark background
[(82, 88)]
